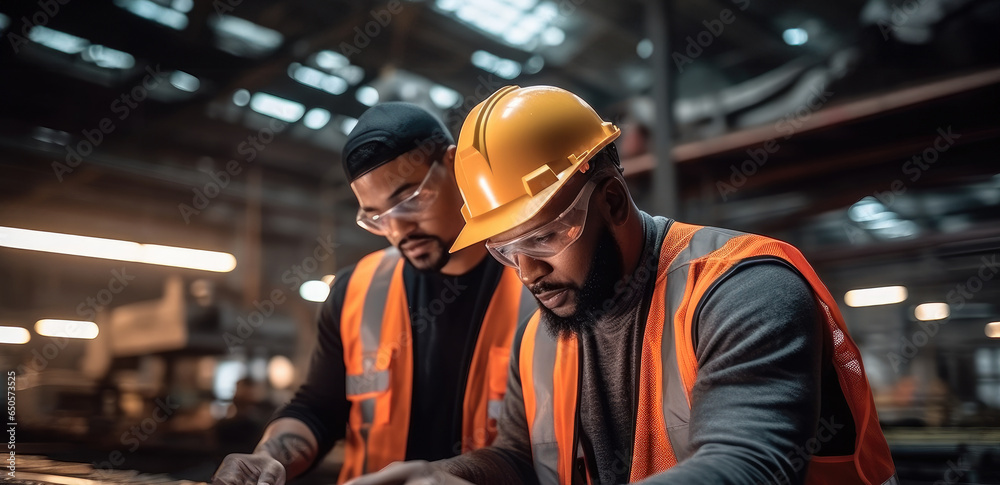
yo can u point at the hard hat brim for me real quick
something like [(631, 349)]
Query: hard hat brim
[(520, 210)]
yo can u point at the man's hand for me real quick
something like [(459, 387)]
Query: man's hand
[(256, 469), (409, 473)]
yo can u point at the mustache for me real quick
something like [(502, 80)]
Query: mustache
[(539, 288), (417, 237)]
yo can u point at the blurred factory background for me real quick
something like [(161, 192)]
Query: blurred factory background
[(866, 132)]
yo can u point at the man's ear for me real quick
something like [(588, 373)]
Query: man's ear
[(449, 158), (618, 200)]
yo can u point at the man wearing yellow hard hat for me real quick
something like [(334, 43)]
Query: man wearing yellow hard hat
[(662, 352)]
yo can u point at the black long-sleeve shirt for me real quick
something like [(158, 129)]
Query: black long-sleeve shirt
[(755, 403), (444, 339)]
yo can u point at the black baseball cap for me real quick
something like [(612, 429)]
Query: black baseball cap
[(395, 128)]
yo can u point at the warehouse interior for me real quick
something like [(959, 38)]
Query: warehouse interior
[(864, 132)]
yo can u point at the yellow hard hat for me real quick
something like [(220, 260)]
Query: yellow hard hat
[(516, 149)]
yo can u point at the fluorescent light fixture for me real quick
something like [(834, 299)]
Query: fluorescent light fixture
[(275, 107), (155, 12), (993, 330), (14, 335), (244, 38), (48, 135), (520, 23), (931, 311), (4, 22), (367, 95), (317, 79), (184, 81), (488, 62), (553, 36), (330, 60), (56, 40), (348, 124), (314, 290), (241, 97), (795, 36), (108, 58), (182, 5), (644, 48), (96, 247), (66, 328), (443, 97), (885, 295), (316, 118)]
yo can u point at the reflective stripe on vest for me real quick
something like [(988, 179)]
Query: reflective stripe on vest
[(692, 260), (378, 356)]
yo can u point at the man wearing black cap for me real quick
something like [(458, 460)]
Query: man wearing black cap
[(413, 344)]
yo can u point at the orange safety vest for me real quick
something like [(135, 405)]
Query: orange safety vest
[(376, 331), (691, 261)]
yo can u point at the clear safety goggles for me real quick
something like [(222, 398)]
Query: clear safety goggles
[(412, 207), (551, 239)]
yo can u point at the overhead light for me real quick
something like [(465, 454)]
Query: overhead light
[(243, 37), (367, 95), (280, 372), (275, 107), (4, 22), (96, 247), (520, 23), (66, 328), (155, 12), (241, 97), (48, 135), (993, 330), (184, 81), (931, 311), (443, 97), (182, 5), (314, 290), (14, 335), (885, 295), (644, 48), (317, 79), (328, 279), (56, 40), (795, 36), (330, 60), (108, 58), (505, 68), (316, 118), (348, 124), (553, 36)]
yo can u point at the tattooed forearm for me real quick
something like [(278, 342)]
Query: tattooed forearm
[(288, 448)]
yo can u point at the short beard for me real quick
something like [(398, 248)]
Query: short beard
[(606, 269), (436, 258)]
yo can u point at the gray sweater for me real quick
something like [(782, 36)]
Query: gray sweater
[(755, 403)]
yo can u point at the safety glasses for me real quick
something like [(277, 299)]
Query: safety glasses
[(412, 207), (551, 239)]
